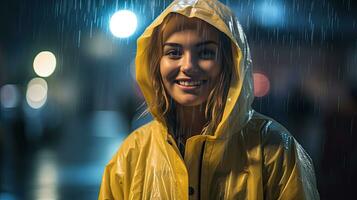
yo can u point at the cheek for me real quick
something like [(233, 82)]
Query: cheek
[(211, 68), (168, 69), (163, 69)]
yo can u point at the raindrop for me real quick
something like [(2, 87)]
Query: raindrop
[(91, 29), (79, 39)]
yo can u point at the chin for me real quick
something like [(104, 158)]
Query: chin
[(189, 102)]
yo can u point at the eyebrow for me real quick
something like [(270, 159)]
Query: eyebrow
[(197, 45)]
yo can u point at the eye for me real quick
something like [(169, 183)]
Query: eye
[(174, 53), (207, 54)]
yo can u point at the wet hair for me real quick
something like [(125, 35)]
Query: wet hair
[(217, 98)]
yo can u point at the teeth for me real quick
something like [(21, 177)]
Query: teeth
[(190, 83)]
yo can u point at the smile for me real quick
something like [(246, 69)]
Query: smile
[(190, 83)]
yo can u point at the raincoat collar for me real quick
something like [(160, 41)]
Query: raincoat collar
[(240, 96)]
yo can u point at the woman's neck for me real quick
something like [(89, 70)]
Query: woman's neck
[(191, 120)]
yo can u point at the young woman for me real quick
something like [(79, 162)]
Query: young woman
[(205, 142)]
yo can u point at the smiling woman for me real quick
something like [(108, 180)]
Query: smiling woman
[(194, 71), (205, 142)]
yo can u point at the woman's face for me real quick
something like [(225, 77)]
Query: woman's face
[(190, 65)]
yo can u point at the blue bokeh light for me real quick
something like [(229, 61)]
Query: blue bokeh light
[(270, 14)]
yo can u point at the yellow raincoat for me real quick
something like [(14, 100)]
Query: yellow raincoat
[(249, 156)]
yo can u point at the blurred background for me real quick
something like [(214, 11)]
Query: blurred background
[(68, 96)]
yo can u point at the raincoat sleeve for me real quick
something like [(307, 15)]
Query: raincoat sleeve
[(105, 188), (288, 170), (118, 173)]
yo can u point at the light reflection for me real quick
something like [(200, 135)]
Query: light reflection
[(46, 179), (44, 63), (9, 96), (36, 94)]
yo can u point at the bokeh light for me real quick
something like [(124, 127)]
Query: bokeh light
[(261, 85), (123, 23), (36, 94), (9, 96), (270, 14), (44, 63)]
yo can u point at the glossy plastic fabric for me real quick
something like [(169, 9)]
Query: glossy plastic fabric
[(250, 156)]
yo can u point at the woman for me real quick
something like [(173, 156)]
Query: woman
[(205, 142)]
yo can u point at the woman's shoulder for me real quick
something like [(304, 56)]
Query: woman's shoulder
[(271, 132), (287, 166), (138, 138), (277, 142)]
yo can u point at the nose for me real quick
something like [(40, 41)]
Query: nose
[(189, 63)]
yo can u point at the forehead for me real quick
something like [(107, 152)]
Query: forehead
[(178, 23), (190, 38)]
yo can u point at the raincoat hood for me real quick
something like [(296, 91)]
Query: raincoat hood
[(240, 94)]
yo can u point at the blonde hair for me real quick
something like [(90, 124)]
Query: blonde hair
[(216, 100)]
